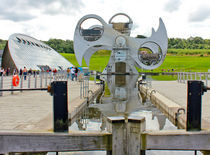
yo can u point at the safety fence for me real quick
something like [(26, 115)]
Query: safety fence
[(42, 80), (183, 77)]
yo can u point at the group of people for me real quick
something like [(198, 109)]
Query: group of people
[(4, 72), (24, 72), (73, 73)]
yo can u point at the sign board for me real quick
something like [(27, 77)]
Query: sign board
[(120, 55)]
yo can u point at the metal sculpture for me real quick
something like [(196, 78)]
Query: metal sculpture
[(127, 52)]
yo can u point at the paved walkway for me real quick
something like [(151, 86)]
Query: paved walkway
[(177, 92), (33, 110)]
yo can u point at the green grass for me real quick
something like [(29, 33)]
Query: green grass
[(97, 62), (179, 63), (185, 63), (198, 52), (164, 77)]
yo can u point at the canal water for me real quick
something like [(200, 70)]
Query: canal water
[(123, 101)]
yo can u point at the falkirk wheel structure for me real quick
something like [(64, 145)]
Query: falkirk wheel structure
[(127, 52)]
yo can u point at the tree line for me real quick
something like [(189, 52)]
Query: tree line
[(66, 46)]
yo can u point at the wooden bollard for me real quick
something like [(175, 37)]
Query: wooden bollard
[(135, 126), (126, 135)]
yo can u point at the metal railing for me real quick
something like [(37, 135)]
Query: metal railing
[(183, 77), (41, 80)]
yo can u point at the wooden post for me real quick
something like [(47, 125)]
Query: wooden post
[(135, 126), (117, 127), (126, 135)]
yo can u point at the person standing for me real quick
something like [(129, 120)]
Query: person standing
[(68, 72), (1, 71), (72, 73), (24, 73), (21, 72), (76, 72), (7, 71)]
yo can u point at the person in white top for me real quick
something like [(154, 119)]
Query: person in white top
[(1, 71), (72, 73)]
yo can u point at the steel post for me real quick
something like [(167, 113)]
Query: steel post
[(183, 77), (29, 81), (40, 76), (21, 82), (60, 105), (194, 100), (206, 75), (35, 82), (1, 85), (12, 87), (46, 80)]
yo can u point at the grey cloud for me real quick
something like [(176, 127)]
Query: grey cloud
[(9, 15), (201, 14), (20, 10), (53, 7), (172, 5), (14, 10)]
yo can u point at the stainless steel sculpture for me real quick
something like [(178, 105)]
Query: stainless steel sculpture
[(127, 52)]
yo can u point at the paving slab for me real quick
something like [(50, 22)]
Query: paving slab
[(177, 92), (33, 110)]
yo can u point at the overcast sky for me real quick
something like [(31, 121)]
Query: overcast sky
[(45, 19)]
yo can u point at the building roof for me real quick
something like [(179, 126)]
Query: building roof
[(32, 53)]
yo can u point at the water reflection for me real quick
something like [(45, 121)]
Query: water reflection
[(124, 101)]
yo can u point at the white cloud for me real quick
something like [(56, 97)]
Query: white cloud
[(44, 19), (201, 14)]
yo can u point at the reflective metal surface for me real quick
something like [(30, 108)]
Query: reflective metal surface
[(147, 53)]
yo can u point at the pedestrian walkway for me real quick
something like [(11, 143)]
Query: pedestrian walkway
[(33, 110), (177, 92)]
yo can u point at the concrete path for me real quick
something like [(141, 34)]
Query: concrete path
[(33, 110), (177, 92)]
